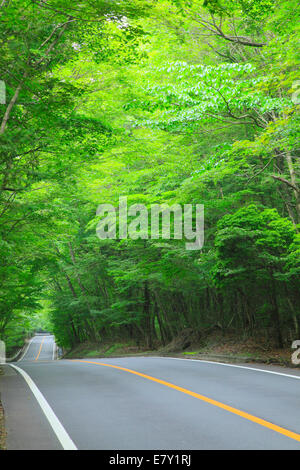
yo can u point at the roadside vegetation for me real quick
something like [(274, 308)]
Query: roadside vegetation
[(169, 101), (214, 344)]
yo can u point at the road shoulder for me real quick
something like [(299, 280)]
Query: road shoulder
[(20, 406), (2, 425)]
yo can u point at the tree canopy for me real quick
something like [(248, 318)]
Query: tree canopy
[(169, 101)]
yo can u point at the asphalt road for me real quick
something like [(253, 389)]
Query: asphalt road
[(40, 347), (157, 403)]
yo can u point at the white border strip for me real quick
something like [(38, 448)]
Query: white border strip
[(54, 354), (26, 349), (228, 365), (54, 422)]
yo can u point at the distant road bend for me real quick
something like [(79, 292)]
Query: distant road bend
[(40, 347), (146, 403)]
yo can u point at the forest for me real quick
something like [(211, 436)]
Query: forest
[(162, 102)]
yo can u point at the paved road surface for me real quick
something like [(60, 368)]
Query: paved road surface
[(165, 404), (41, 347)]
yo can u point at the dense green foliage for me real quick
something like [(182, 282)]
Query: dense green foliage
[(168, 101)]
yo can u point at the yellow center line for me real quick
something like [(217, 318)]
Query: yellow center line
[(235, 411), (40, 349)]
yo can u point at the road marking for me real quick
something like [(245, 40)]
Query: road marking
[(54, 422), (235, 411), (53, 351), (228, 365), (40, 348), (26, 350)]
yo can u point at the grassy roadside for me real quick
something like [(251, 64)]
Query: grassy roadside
[(108, 349), (2, 426), (214, 346)]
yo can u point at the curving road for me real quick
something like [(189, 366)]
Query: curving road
[(148, 403), (40, 347)]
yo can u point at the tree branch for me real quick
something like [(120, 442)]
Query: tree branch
[(283, 180), (216, 29), (9, 107)]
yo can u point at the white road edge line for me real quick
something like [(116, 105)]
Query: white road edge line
[(26, 350), (54, 422), (229, 365), (53, 351)]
